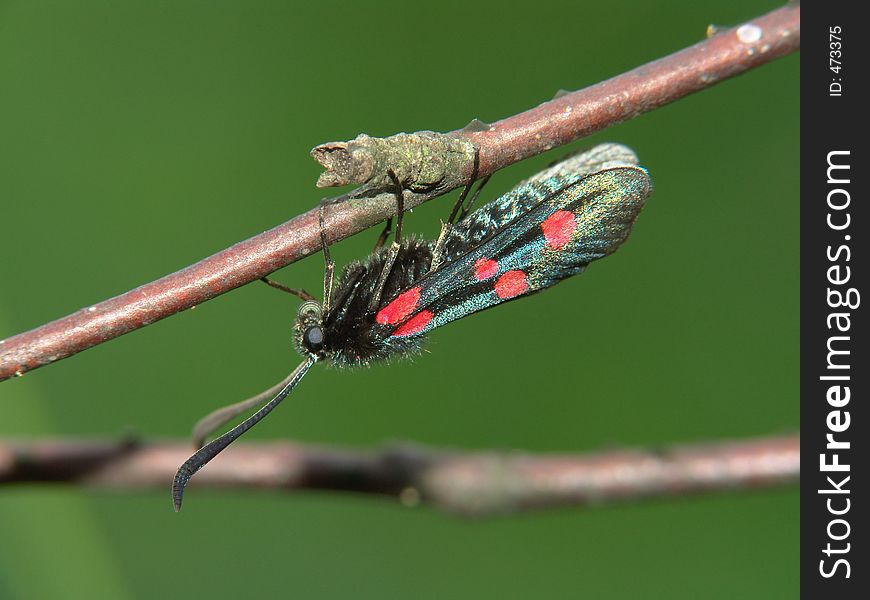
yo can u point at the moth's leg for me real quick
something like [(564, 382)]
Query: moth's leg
[(393, 252), (400, 206), (329, 268), (299, 293), (382, 239), (438, 252), (474, 170), (467, 208)]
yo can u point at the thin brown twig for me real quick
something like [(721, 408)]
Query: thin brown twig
[(559, 121), (479, 483)]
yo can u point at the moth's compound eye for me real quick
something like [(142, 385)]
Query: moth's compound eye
[(312, 338)]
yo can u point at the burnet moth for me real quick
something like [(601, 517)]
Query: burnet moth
[(547, 228)]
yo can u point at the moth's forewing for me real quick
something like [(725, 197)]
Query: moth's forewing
[(578, 220)]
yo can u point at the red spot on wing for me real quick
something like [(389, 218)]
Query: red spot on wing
[(485, 268), (558, 228), (404, 304), (512, 283), (415, 324)]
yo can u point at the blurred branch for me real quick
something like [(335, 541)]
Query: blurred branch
[(470, 483), (566, 118)]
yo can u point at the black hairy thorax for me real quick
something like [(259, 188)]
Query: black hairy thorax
[(352, 337)]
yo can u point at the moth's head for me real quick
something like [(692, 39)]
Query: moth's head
[(308, 333)]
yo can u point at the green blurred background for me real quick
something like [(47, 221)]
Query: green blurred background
[(139, 137)]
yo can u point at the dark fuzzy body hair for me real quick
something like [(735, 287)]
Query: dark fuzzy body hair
[(352, 337)]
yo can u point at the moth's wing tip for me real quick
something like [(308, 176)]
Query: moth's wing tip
[(630, 182)]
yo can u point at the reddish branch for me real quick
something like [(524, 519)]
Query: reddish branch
[(467, 483), (559, 121)]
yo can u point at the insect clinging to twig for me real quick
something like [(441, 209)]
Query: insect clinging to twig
[(547, 228)]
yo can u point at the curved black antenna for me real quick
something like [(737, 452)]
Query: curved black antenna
[(217, 418), (213, 448)]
